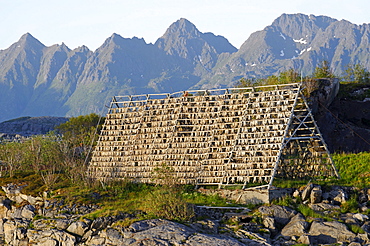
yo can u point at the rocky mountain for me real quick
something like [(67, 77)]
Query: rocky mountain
[(36, 80), (294, 41)]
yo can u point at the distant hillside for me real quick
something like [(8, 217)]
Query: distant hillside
[(37, 80), (28, 126)]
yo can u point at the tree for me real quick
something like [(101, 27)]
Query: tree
[(285, 77), (78, 136), (323, 70), (81, 131), (289, 76), (271, 80), (11, 154), (356, 73), (243, 83), (43, 153)]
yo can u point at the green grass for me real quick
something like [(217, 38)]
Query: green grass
[(283, 201), (354, 169), (197, 198), (350, 206), (308, 212), (155, 201), (356, 229), (33, 184)]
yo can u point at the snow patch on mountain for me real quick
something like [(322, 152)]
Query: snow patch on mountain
[(281, 35), (302, 41)]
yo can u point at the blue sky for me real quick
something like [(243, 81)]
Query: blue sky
[(90, 22)]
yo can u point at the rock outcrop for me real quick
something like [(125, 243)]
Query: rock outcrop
[(28, 126), (27, 220)]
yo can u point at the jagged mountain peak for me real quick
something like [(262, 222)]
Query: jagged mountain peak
[(116, 40), (319, 20), (27, 40), (299, 26), (26, 36), (115, 36), (64, 46), (113, 39), (82, 49), (183, 38), (58, 47), (182, 28)]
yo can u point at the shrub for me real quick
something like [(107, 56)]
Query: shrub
[(350, 206), (168, 203)]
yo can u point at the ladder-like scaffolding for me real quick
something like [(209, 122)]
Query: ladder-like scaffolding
[(212, 137)]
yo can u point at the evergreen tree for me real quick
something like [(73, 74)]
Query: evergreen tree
[(323, 71)]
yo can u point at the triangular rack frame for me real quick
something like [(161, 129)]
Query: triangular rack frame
[(212, 137)]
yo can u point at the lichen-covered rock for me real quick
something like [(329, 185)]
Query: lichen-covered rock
[(349, 219), (269, 222), (206, 226), (48, 242), (28, 212), (323, 207), (211, 240), (78, 228), (41, 236), (245, 237), (62, 224), (163, 229), (316, 194), (112, 236), (9, 231), (306, 192), (101, 223), (331, 232), (281, 214), (13, 192), (360, 217), (337, 195), (14, 230), (297, 226), (366, 227), (5, 207), (35, 201), (163, 232), (296, 193)]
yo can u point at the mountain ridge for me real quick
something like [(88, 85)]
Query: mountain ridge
[(37, 80)]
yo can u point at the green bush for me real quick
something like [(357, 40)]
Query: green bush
[(168, 203)]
